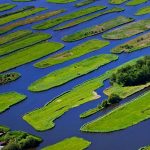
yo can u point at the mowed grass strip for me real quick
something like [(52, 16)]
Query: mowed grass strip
[(87, 18), (128, 30), (79, 50), (60, 1), (97, 29), (143, 11), (84, 2), (72, 143), (14, 36), (79, 95), (23, 42), (53, 22), (28, 54), (6, 6), (9, 99), (29, 20), (116, 1), (136, 2), (19, 15), (138, 43), (123, 117), (71, 72)]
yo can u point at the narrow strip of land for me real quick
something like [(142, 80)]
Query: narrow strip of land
[(60, 1), (143, 11), (79, 50), (117, 1), (53, 22), (26, 41), (87, 18), (136, 2), (123, 117), (128, 30), (138, 43), (28, 54), (6, 6), (14, 36), (84, 2), (9, 99), (71, 72), (97, 29), (72, 143), (30, 20), (19, 15)]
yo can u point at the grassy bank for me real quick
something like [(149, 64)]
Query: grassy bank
[(128, 30), (60, 1), (143, 11), (8, 77), (12, 17), (30, 20), (28, 54), (87, 18), (136, 2), (117, 1), (123, 117), (53, 22), (145, 148), (84, 2), (73, 143), (4, 129), (138, 43), (94, 30), (9, 99), (79, 95), (6, 6), (71, 72), (21, 43), (14, 36), (82, 49)]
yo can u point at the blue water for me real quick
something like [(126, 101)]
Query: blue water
[(69, 124)]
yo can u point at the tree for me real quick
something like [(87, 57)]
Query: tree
[(113, 99)]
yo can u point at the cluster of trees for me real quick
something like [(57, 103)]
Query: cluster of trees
[(112, 99), (17, 140), (132, 75), (8, 77)]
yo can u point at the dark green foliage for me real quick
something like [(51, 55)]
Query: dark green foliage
[(137, 74), (104, 104), (18, 140), (8, 77), (113, 99)]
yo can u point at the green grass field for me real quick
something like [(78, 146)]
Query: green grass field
[(26, 41), (128, 30), (6, 6), (25, 13), (29, 20), (79, 50), (123, 117), (64, 75), (87, 18), (14, 36), (117, 1), (60, 1), (97, 29), (4, 129), (72, 143), (9, 99), (84, 2), (143, 11), (79, 95), (135, 44), (136, 2), (27, 55), (145, 148), (56, 21)]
